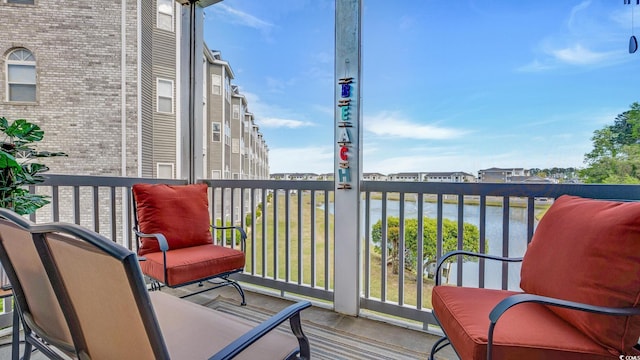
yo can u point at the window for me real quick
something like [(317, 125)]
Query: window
[(216, 84), (227, 135), (236, 111), (21, 76), (25, 2), (235, 146), (215, 174), (165, 15), (215, 131), (165, 96), (165, 171), (227, 89)]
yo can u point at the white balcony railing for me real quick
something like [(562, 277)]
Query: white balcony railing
[(290, 226)]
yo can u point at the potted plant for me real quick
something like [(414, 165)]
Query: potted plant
[(19, 167)]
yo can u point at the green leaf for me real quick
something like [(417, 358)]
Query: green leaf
[(8, 161), (17, 167), (25, 131)]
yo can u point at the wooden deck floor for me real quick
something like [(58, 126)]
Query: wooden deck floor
[(331, 335)]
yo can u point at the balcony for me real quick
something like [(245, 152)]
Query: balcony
[(291, 240)]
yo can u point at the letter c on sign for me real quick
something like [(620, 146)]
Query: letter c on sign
[(343, 153)]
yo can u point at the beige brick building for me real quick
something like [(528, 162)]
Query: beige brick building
[(102, 80)]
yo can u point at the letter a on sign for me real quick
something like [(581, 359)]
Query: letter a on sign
[(345, 136)]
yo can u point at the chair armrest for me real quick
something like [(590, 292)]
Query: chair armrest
[(162, 241), (517, 299), (291, 313), (470, 253), (243, 234)]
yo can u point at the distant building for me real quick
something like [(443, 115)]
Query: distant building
[(457, 176), (500, 175), (406, 176), (374, 177), (533, 180), (295, 176)]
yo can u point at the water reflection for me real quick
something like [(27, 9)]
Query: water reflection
[(517, 236)]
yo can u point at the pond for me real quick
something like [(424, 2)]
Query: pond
[(493, 230)]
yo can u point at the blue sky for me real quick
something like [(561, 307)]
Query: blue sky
[(446, 85)]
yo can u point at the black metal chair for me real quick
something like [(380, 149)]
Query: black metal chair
[(83, 296)]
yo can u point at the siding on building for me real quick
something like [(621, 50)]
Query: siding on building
[(97, 70)]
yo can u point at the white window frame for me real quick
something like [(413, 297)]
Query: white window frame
[(213, 131), (227, 89), (215, 174), (158, 95), (227, 133), (21, 62), (235, 145), (216, 84), (165, 166), (160, 14), (236, 111)]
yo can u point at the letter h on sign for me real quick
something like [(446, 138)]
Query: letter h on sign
[(344, 175)]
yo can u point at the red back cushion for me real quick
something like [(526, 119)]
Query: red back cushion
[(588, 251), (179, 212)]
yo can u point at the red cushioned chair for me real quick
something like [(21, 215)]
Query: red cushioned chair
[(580, 278), (173, 226)]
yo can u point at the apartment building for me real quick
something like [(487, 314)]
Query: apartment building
[(501, 175), (102, 80), (238, 111), (406, 176), (374, 176), (456, 176)]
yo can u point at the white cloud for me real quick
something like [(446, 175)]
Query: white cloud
[(395, 125), (535, 66), (317, 159), (270, 116), (575, 55), (575, 10), (579, 55), (239, 17), (279, 123)]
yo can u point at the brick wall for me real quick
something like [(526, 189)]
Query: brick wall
[(78, 49)]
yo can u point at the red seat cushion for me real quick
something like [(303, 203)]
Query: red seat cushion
[(192, 264), (524, 332), (588, 251), (179, 212)]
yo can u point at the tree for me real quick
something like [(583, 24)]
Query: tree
[(615, 157), (470, 237)]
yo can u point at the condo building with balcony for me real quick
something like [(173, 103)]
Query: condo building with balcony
[(501, 175), (103, 80)]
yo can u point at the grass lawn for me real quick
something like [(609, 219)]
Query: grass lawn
[(320, 244)]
